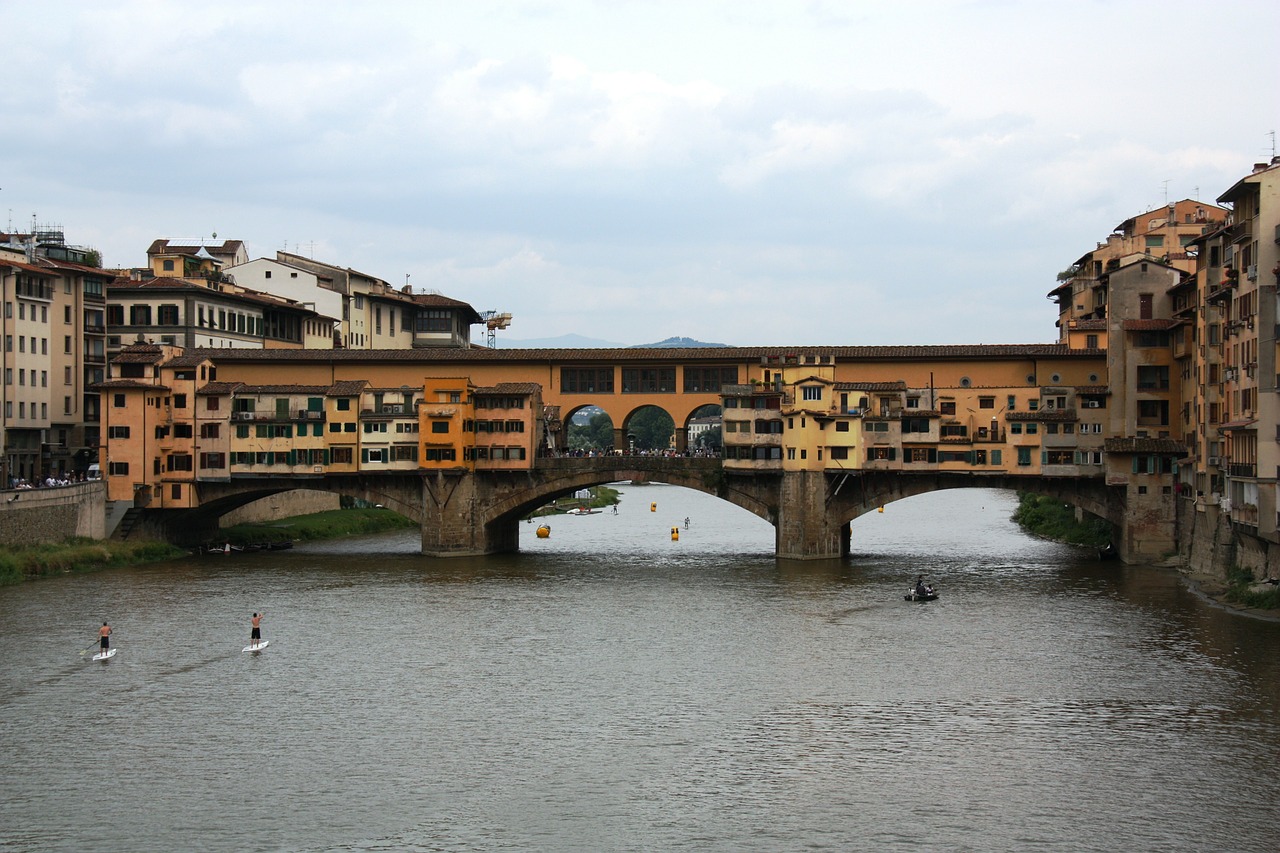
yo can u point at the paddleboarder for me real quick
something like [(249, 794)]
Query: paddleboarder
[(255, 636), (104, 634)]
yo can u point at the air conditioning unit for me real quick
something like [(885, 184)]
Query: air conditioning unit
[(244, 416), (1252, 272), (1214, 460), (1092, 404), (1230, 374)]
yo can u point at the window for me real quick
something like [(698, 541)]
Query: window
[(439, 427), (712, 379), (167, 265), (812, 392), (1091, 341), (432, 320), (648, 380), (168, 315), (139, 315), (117, 432), (947, 407), (209, 430), (586, 380), (986, 402), (118, 469)]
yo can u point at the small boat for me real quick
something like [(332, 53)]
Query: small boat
[(929, 594), (582, 510)]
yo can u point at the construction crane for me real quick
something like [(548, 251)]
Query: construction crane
[(493, 321)]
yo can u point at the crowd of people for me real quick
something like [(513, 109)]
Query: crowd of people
[(60, 479), (691, 453)]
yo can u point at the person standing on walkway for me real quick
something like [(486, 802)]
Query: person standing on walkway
[(255, 636)]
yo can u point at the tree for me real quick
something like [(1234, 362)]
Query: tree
[(710, 439), (652, 428), (596, 434)]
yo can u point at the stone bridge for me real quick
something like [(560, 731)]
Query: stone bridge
[(464, 513)]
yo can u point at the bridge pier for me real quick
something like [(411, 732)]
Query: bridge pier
[(453, 518), (805, 530)]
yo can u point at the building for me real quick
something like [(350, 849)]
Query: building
[(374, 314), (171, 423), (209, 312), (54, 338)]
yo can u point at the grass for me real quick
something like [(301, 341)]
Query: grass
[(321, 525), (1240, 590), (601, 496), (28, 562), (1055, 520)]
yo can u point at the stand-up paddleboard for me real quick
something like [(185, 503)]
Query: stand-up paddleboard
[(259, 647), (107, 655)]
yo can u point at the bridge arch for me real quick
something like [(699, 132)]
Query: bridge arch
[(875, 491), (564, 477)]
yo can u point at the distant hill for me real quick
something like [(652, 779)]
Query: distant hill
[(678, 343), (580, 342)]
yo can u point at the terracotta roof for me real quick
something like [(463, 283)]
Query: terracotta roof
[(185, 361), (1148, 325), (320, 390), (19, 265), (980, 352), (1234, 425), (211, 389), (1089, 326), (160, 247), (347, 388), (510, 388), (136, 355), (1143, 445), (126, 383), (1095, 390)]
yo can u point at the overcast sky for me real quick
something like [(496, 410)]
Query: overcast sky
[(738, 172)]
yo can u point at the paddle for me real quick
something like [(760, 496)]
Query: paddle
[(86, 649)]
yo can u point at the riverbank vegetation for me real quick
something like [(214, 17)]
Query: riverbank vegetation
[(1244, 589), (601, 496), (1052, 519), (27, 562), (321, 525)]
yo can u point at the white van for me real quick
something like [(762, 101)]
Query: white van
[(95, 472)]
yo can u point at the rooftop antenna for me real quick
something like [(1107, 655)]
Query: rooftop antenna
[(1166, 192), (1272, 134)]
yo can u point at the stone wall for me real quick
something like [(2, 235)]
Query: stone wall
[(282, 505), (38, 516), (1212, 548)]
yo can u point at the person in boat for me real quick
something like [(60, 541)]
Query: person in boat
[(921, 588), (255, 636), (104, 637)]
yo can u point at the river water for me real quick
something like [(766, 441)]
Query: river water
[(609, 689)]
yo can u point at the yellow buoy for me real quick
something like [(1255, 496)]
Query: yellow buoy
[(675, 534), (544, 531), (653, 507), (881, 509)]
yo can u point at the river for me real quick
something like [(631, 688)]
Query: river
[(609, 689)]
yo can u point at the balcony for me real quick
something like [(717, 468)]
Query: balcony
[(1242, 470)]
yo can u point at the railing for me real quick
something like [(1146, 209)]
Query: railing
[(1242, 469)]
